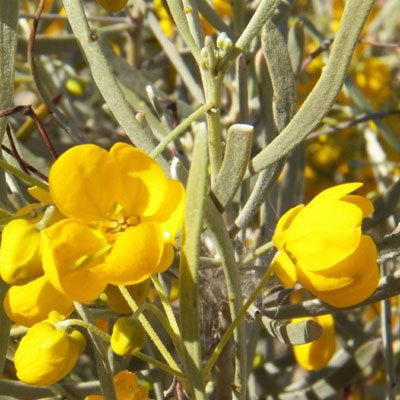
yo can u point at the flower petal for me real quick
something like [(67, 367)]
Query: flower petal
[(170, 214), (20, 252), (362, 203), (284, 269), (67, 244), (323, 234), (84, 182), (316, 355), (349, 282), (144, 183), (40, 194), (31, 303), (336, 192), (135, 255)]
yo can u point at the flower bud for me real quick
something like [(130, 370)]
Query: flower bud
[(20, 260), (45, 354), (128, 336)]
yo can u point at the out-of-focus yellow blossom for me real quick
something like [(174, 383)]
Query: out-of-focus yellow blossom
[(127, 387), (372, 76), (57, 26), (128, 336), (122, 217), (321, 247), (316, 355), (117, 303), (113, 5), (47, 353), (31, 303), (222, 8), (20, 258)]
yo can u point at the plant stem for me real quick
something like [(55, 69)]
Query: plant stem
[(149, 329)]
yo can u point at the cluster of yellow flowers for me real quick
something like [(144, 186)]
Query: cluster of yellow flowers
[(110, 218), (115, 223)]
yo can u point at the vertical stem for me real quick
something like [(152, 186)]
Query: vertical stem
[(190, 264), (103, 367), (387, 341), (8, 48)]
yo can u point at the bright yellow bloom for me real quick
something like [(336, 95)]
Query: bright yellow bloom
[(222, 8), (47, 353), (113, 5), (128, 336), (31, 303), (322, 248), (122, 217), (316, 355), (126, 388)]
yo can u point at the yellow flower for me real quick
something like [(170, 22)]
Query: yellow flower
[(322, 248), (316, 355), (126, 388), (122, 217), (47, 353), (222, 8), (31, 303), (128, 336)]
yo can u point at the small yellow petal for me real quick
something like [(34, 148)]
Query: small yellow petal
[(134, 256), (316, 355), (362, 203), (84, 182), (31, 303), (170, 213), (336, 192), (65, 245), (361, 267), (144, 184), (39, 194), (20, 252), (284, 269)]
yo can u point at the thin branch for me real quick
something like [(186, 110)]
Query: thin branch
[(58, 116), (352, 122)]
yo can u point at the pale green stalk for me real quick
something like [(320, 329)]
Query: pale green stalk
[(190, 264), (166, 304), (78, 322), (149, 329), (164, 322), (257, 253), (8, 48), (178, 14), (193, 18), (158, 364), (179, 129), (23, 176)]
